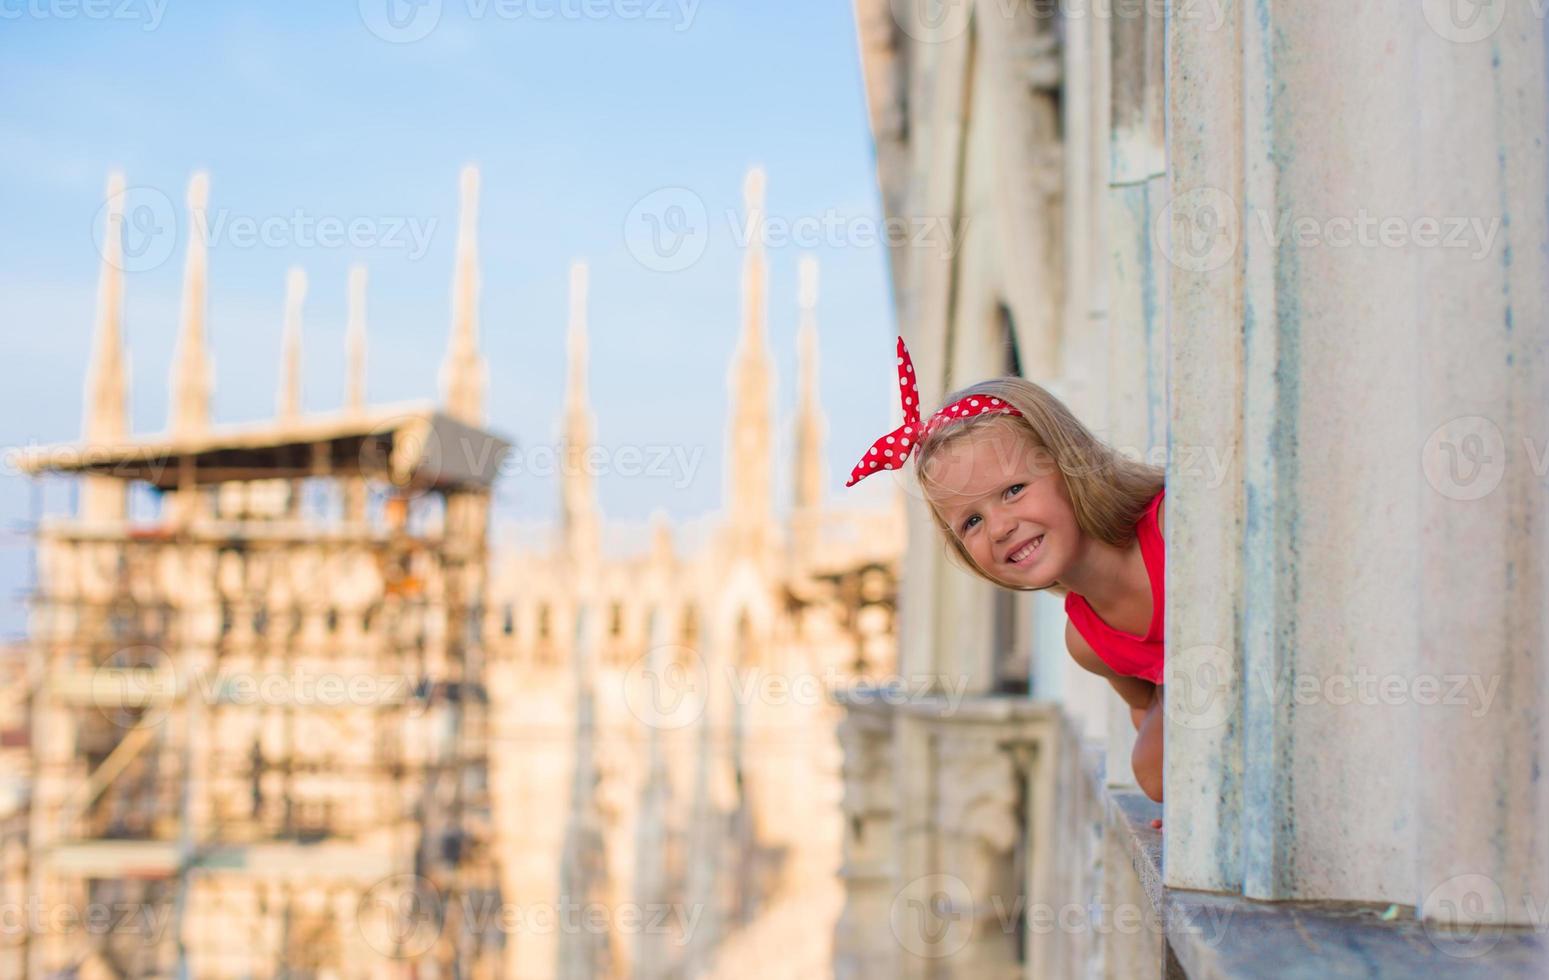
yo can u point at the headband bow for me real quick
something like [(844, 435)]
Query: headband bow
[(890, 451)]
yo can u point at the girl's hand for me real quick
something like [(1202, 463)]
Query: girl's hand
[(1147, 755)]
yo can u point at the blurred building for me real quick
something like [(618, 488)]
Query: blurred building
[(677, 699), (259, 717), (299, 721), (1168, 215), (15, 787)]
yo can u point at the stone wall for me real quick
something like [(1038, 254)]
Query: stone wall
[(1358, 650), (1297, 254)]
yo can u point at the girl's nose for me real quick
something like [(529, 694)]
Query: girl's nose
[(1002, 525)]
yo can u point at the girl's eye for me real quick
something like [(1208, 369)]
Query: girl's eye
[(1015, 489), (969, 523)]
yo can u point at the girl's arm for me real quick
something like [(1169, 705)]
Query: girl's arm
[(1147, 755), (1137, 693), (1145, 712)]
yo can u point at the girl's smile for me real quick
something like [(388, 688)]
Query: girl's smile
[(1025, 553)]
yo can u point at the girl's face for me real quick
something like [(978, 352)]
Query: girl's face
[(1006, 501)]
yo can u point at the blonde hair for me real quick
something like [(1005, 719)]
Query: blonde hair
[(1109, 492)]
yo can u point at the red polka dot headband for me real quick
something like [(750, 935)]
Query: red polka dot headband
[(890, 451)]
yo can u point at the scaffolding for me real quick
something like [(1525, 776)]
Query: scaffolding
[(258, 721)]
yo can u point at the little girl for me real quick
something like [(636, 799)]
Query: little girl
[(1029, 499)]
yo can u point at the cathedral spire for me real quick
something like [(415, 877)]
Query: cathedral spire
[(107, 378), (576, 341), (810, 424), (755, 267), (809, 418), (749, 452), (579, 503), (289, 399), (192, 373), (355, 343), (463, 371), (107, 390)]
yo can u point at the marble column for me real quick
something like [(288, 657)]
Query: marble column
[(1356, 225)]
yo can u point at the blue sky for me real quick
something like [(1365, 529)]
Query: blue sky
[(574, 111)]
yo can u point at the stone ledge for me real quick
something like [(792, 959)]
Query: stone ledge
[(1131, 812), (977, 707), (1218, 936)]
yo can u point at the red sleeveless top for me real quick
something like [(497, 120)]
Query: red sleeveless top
[(1126, 653)]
